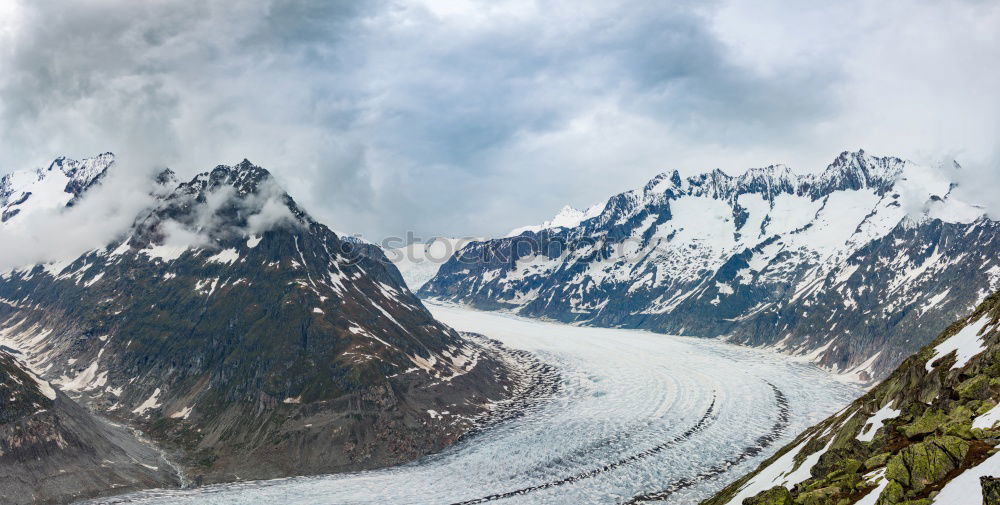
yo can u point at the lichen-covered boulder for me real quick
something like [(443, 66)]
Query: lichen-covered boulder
[(991, 490), (820, 496), (845, 473), (927, 462), (976, 388), (777, 495), (928, 422), (877, 461), (892, 494)]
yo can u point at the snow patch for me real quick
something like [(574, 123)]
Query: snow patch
[(165, 252), (782, 472), (149, 404), (880, 483), (965, 488), (966, 344), (875, 422), (182, 413), (226, 257), (988, 419)]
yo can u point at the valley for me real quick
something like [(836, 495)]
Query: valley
[(635, 413), (511, 252)]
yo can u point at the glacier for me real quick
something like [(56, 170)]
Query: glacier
[(664, 418)]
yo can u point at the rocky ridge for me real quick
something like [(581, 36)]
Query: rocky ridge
[(853, 268), (51, 188), (927, 434), (248, 339)]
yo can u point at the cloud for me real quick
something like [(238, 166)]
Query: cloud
[(221, 213), (468, 117), (977, 183), (98, 218), (123, 200)]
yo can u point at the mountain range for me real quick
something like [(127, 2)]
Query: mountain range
[(854, 267), (227, 335), (245, 339)]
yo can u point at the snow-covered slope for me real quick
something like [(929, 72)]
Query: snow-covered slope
[(52, 450), (854, 267), (926, 435), (568, 217), (27, 192)]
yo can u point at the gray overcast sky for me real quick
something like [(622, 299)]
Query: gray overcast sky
[(455, 117)]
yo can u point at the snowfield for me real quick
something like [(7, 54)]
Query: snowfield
[(639, 414)]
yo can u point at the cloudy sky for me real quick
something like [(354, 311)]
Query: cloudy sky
[(459, 117)]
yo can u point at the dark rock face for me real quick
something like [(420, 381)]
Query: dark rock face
[(907, 439), (54, 451), (250, 340), (861, 265), (991, 490)]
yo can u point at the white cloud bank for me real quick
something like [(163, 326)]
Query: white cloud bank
[(99, 217), (474, 116)]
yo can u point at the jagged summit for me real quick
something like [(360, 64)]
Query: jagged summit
[(229, 202), (768, 181), (228, 320), (57, 186), (244, 177), (165, 176), (83, 171), (567, 217), (849, 171), (857, 170), (763, 257)]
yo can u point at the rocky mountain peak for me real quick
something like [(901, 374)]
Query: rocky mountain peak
[(224, 317), (224, 204), (849, 171), (166, 176), (57, 186), (244, 177), (768, 181), (675, 178), (855, 171), (567, 217), (762, 255), (82, 173)]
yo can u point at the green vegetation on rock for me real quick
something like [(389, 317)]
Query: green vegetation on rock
[(777, 495), (916, 453), (991, 490)]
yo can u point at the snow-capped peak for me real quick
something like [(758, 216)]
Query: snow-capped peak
[(83, 172), (567, 217), (29, 191), (769, 181), (856, 170), (849, 171)]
